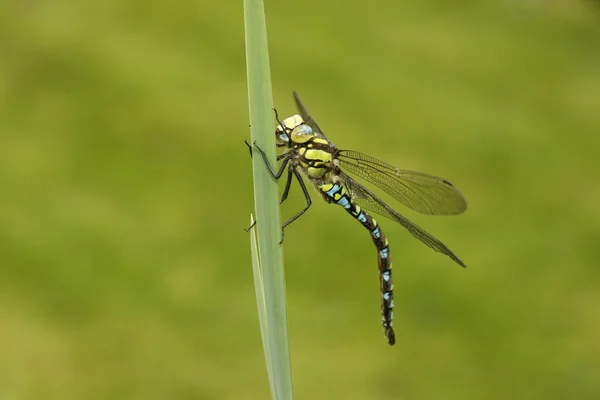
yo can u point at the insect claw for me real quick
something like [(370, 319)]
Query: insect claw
[(249, 147), (282, 233), (250, 227)]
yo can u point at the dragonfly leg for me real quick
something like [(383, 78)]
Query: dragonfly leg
[(275, 174), (250, 227), (288, 183), (285, 194), (279, 157), (308, 204), (278, 120), (249, 147)]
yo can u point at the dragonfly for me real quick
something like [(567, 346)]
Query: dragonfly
[(308, 153)]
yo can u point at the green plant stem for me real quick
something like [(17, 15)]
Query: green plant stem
[(268, 265)]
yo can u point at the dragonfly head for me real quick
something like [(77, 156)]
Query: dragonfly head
[(293, 129)]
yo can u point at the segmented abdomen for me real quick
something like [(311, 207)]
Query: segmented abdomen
[(339, 195)]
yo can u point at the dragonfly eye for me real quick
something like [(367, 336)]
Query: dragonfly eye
[(283, 137), (282, 134), (303, 129), (302, 134)]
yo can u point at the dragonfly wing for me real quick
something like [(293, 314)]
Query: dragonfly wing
[(308, 119), (367, 200), (421, 192)]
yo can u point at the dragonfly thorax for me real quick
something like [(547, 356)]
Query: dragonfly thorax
[(311, 154)]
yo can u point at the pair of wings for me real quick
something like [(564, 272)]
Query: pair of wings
[(418, 191)]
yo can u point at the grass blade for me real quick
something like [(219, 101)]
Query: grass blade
[(260, 300), (267, 254)]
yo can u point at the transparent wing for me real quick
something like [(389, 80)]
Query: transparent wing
[(421, 192), (308, 119), (367, 200)]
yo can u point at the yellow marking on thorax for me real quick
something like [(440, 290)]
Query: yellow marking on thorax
[(320, 141), (318, 162), (321, 155), (316, 172)]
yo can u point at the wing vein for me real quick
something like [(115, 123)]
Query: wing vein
[(421, 192), (366, 199)]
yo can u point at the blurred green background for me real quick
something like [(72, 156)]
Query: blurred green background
[(125, 186)]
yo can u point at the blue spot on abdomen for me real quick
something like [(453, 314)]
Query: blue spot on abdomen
[(333, 190), (343, 201), (361, 217), (384, 253)]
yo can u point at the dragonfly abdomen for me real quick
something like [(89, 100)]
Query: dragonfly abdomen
[(338, 194)]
